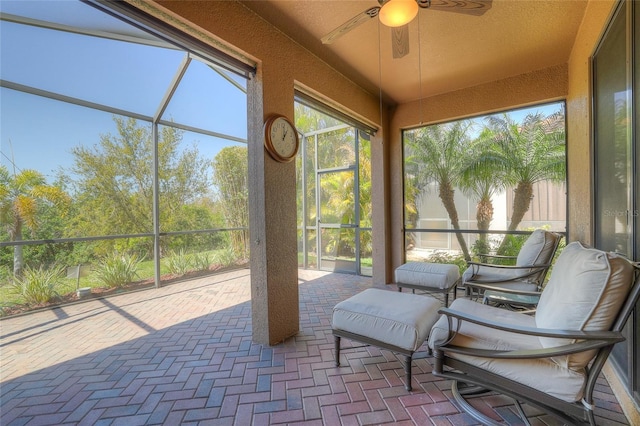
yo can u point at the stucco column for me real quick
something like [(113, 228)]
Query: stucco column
[(380, 196), (272, 223)]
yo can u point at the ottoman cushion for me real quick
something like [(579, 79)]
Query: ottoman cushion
[(430, 275), (400, 319)]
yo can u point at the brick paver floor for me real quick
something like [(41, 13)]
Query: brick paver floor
[(183, 354)]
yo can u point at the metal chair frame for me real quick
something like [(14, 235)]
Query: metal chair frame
[(581, 412), (536, 274)]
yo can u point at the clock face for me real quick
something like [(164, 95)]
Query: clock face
[(281, 139)]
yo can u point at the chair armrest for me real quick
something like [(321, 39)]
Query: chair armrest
[(588, 340), (481, 286), (527, 271), (497, 256), (510, 267), (533, 331), (572, 348)]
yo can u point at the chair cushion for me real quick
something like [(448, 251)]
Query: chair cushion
[(430, 275), (538, 248), (586, 290), (564, 383)]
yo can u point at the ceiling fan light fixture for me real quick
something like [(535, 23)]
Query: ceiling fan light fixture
[(396, 13)]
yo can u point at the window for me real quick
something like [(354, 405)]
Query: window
[(468, 183)]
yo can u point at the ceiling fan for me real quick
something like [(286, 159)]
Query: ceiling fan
[(398, 13)]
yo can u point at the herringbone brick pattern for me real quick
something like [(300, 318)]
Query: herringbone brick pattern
[(183, 354)]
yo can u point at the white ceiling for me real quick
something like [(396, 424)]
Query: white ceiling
[(454, 50)]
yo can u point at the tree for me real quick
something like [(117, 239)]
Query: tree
[(20, 195), (115, 181), (530, 152), (336, 190), (230, 174), (527, 153), (481, 180), (366, 202), (436, 154)]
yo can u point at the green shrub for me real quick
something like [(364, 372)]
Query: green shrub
[(512, 244), (178, 262), (39, 285), (511, 247), (225, 257), (5, 274), (444, 257), (201, 261), (480, 247), (117, 270)]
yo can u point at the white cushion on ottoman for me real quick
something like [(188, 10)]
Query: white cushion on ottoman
[(399, 319), (430, 275)]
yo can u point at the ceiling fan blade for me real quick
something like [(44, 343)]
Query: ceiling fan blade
[(350, 24), (470, 7), (400, 41)]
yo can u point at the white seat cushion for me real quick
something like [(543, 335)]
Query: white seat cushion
[(399, 319), (430, 275), (564, 383)]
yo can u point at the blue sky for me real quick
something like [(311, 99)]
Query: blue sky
[(517, 115), (38, 133)]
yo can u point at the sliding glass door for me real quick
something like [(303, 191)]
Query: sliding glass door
[(616, 107)]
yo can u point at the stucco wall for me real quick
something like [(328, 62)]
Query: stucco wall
[(579, 140)]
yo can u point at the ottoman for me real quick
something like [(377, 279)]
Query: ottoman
[(428, 277), (400, 322)]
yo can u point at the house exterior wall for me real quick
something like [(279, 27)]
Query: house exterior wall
[(580, 154)]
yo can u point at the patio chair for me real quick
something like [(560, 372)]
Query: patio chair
[(514, 285), (551, 360)]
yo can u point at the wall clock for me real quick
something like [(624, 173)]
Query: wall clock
[(281, 138)]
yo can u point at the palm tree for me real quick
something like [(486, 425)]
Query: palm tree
[(437, 154), (527, 153), (481, 180), (20, 195)]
